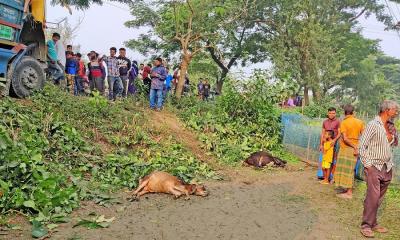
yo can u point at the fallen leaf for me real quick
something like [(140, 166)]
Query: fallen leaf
[(103, 219)]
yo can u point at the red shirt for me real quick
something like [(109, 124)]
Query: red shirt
[(331, 125), (146, 72)]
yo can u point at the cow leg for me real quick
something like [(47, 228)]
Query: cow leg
[(142, 192), (182, 190), (176, 192), (260, 162), (142, 185)]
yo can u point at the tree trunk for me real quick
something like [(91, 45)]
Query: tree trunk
[(221, 80), (306, 97), (181, 82), (316, 94)]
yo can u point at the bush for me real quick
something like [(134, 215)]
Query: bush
[(243, 120), (319, 109)]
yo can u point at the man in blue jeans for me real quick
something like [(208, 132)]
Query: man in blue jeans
[(114, 81), (158, 75)]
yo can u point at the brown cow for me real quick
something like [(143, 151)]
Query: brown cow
[(162, 182)]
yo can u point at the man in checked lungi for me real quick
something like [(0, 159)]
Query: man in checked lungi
[(351, 129)]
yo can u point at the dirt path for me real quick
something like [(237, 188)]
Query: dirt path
[(248, 204), (276, 206)]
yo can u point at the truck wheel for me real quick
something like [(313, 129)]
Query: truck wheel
[(27, 77)]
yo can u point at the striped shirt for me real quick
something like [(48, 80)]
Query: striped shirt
[(112, 66), (375, 148)]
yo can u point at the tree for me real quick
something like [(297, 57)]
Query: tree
[(83, 4), (306, 40), (175, 25), (237, 38)]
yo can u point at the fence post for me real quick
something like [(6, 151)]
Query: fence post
[(308, 146)]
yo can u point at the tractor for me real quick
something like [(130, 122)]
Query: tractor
[(23, 51)]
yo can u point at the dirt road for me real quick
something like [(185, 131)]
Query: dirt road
[(248, 204)]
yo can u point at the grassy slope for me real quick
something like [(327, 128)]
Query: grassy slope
[(57, 143)]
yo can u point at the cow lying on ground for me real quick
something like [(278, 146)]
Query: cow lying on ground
[(261, 159), (162, 182)]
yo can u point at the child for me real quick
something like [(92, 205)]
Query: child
[(71, 68), (206, 89), (96, 74), (327, 157)]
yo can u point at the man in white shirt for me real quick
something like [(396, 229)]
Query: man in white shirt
[(61, 54)]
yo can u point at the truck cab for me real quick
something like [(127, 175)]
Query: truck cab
[(22, 47)]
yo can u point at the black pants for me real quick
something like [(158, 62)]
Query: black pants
[(147, 83)]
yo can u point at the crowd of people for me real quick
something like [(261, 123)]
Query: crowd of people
[(113, 75), (347, 143)]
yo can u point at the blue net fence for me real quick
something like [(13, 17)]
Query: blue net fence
[(301, 136)]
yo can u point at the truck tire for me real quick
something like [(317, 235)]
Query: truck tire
[(27, 76)]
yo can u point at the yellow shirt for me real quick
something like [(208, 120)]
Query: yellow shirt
[(328, 152), (38, 10), (352, 128)]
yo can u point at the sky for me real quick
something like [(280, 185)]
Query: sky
[(103, 27)]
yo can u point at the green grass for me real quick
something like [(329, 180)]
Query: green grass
[(388, 214), (58, 149)]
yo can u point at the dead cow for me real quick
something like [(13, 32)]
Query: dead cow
[(261, 159), (162, 182)]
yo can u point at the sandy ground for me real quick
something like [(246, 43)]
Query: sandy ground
[(265, 205)]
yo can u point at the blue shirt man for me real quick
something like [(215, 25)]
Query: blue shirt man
[(158, 75), (51, 50)]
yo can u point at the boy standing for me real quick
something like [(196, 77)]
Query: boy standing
[(96, 74), (158, 76), (114, 80), (81, 75), (331, 124), (124, 65), (71, 67), (206, 90)]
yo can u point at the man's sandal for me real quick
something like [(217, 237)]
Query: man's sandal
[(367, 232), (379, 229)]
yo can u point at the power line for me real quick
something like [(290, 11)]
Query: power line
[(377, 32), (392, 15), (116, 6), (398, 9)]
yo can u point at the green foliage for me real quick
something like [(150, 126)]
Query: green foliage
[(32, 152), (52, 152), (319, 109), (243, 120), (84, 4)]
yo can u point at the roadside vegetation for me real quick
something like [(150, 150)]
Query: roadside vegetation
[(57, 150), (243, 120)]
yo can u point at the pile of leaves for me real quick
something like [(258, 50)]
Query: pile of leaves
[(55, 148), (243, 120)]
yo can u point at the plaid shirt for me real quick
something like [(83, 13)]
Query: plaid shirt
[(112, 66), (375, 149)]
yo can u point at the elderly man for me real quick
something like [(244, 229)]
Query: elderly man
[(376, 153)]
